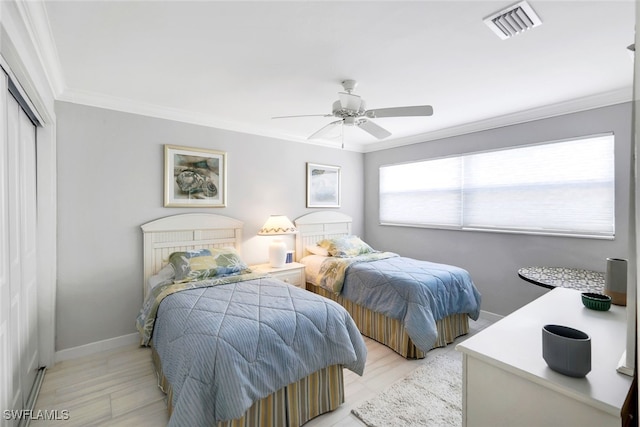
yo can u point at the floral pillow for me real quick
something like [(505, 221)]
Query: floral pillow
[(204, 263), (229, 261), (346, 247)]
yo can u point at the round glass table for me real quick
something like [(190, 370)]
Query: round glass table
[(572, 278)]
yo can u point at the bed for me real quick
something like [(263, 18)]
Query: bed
[(233, 347), (378, 289)]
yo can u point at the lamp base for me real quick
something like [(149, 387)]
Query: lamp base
[(277, 253)]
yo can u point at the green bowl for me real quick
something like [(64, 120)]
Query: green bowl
[(595, 301)]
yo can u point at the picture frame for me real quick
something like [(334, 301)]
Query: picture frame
[(194, 177), (323, 186)]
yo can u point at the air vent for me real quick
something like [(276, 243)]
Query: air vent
[(513, 20)]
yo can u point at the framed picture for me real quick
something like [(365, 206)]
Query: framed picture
[(323, 186), (194, 177)]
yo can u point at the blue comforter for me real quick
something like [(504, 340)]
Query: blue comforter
[(225, 345), (416, 292)]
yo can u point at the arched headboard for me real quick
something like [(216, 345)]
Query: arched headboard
[(184, 232), (320, 225)]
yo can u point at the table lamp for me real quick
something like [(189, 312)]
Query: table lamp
[(277, 225)]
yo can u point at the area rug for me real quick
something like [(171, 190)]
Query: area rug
[(430, 396)]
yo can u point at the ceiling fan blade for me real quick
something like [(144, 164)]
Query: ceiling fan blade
[(303, 115), (324, 130), (419, 110), (373, 129)]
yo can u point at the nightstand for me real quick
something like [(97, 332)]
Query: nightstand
[(292, 273)]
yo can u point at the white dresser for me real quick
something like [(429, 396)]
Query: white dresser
[(506, 382)]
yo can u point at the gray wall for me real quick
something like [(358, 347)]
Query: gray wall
[(493, 259), (110, 174)]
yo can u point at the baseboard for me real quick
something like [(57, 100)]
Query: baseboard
[(96, 347), (489, 316)]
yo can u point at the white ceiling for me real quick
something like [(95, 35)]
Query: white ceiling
[(234, 65)]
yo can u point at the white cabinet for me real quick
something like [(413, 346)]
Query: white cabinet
[(506, 382)]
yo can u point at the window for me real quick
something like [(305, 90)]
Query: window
[(564, 188)]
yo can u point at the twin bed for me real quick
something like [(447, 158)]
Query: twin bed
[(408, 305), (236, 348)]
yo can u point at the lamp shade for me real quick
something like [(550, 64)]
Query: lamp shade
[(277, 224)]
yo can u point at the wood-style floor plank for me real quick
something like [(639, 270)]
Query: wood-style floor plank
[(119, 387)]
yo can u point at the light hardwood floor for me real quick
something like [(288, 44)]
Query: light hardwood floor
[(119, 387)]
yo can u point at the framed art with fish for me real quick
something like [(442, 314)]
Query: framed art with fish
[(194, 177)]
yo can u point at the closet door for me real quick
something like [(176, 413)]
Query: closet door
[(18, 282), (6, 383), (23, 132), (28, 228)]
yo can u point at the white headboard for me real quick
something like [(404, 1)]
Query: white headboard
[(320, 225), (183, 232)]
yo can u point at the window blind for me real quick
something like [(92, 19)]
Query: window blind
[(564, 187)]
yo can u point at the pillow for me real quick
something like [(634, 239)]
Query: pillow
[(204, 263), (345, 247), (317, 250), (181, 262), (229, 262)]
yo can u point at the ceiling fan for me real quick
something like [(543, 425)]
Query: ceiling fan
[(350, 109)]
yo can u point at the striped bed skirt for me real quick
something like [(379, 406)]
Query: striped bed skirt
[(291, 406), (391, 332)]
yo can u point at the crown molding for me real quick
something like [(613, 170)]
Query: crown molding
[(23, 55), (109, 102), (126, 105), (36, 22), (605, 99)]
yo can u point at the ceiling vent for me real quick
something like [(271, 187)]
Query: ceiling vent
[(513, 20)]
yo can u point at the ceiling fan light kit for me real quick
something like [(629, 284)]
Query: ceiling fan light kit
[(348, 106), (351, 111)]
